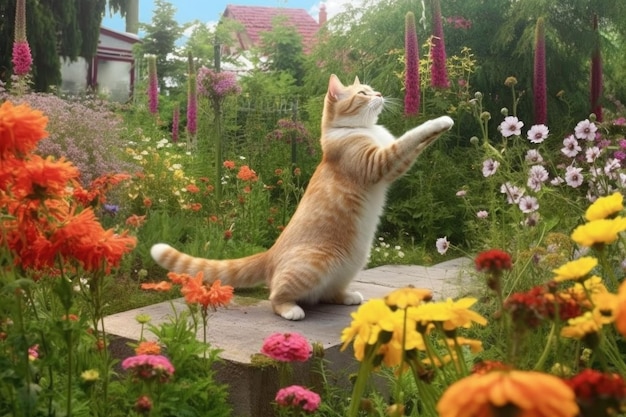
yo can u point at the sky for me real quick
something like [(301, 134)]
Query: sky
[(208, 11)]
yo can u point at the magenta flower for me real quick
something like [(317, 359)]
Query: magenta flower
[(21, 59), (175, 122), (539, 81), (149, 367), (287, 347), (439, 73), (412, 74), (596, 74), (153, 85), (298, 397)]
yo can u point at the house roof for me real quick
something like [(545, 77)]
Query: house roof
[(258, 19)]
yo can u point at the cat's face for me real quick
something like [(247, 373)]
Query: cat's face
[(356, 105)]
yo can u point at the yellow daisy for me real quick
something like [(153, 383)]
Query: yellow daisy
[(408, 297), (605, 207), (601, 231), (575, 270)]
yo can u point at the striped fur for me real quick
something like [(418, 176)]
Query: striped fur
[(328, 239)]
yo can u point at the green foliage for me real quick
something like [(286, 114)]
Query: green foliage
[(283, 48)]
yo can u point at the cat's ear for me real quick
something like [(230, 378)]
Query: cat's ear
[(334, 87), (356, 81)]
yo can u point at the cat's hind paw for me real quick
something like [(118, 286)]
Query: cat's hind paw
[(352, 298)]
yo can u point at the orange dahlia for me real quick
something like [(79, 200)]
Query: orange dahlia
[(524, 393), (20, 129)]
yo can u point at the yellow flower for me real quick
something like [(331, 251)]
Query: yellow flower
[(575, 270), (605, 207), (404, 338), (605, 306), (90, 375), (582, 326), (526, 393), (408, 297), (601, 231), (452, 314), (367, 322), (620, 311), (474, 345)]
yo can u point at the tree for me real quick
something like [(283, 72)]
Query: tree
[(160, 40), (75, 25), (282, 46)]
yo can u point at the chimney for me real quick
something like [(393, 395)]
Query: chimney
[(323, 15)]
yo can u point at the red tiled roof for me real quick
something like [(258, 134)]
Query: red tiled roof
[(257, 19)]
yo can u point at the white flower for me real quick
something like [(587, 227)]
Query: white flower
[(573, 176), (442, 245), (611, 166), (557, 181), (513, 193), (538, 133), (482, 214), (592, 154), (585, 130), (538, 172), (570, 146), (400, 254), (511, 126), (461, 193), (528, 204), (533, 157), (490, 167)]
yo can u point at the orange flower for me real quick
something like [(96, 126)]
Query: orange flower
[(247, 174), (20, 129), (526, 393), (41, 178), (147, 202), (620, 311), (195, 291), (229, 164), (157, 286), (148, 348), (192, 188), (195, 206), (135, 221), (177, 278)]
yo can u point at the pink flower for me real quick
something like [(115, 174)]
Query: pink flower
[(538, 133), (287, 347), (585, 130), (442, 245), (153, 85), (511, 126), (22, 59), (533, 157), (573, 176), (528, 204), (591, 154), (439, 73), (513, 193), (482, 214), (33, 352), (621, 121), (216, 85), (298, 397), (490, 167), (149, 367)]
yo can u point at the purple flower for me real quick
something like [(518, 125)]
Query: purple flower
[(539, 75), (439, 73), (217, 85), (111, 209), (412, 75), (153, 85), (21, 59), (538, 133), (299, 398)]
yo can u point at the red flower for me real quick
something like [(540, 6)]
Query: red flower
[(493, 260), (598, 394)]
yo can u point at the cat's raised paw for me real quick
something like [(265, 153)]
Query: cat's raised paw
[(295, 313), (352, 298)]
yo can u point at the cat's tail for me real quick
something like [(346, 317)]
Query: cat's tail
[(243, 272)]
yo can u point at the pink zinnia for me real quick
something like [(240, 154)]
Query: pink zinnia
[(439, 75), (412, 75), (298, 397), (539, 81), (287, 347), (149, 366)]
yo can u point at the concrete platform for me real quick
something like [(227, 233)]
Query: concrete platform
[(240, 329)]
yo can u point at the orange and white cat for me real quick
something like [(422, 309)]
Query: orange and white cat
[(328, 239)]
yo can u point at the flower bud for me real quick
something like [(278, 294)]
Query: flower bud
[(510, 81), (485, 115), (478, 95), (474, 140), (504, 111)]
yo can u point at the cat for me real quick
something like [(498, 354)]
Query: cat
[(328, 239)]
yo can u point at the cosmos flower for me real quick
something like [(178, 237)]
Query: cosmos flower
[(592, 153), (533, 157), (442, 245), (585, 130), (571, 148), (573, 176), (490, 167), (537, 133), (482, 214), (287, 347), (513, 193), (511, 126), (528, 204)]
